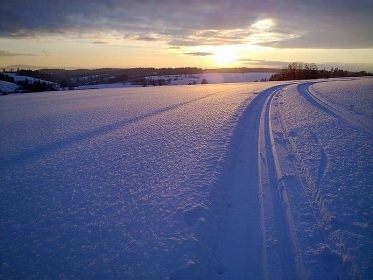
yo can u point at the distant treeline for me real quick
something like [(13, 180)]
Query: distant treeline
[(112, 75), (39, 75), (36, 86), (7, 78), (161, 82), (306, 71), (140, 76), (77, 77)]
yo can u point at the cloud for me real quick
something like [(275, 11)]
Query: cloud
[(199, 53), (325, 65), (274, 23), (141, 37), (7, 53), (267, 63), (210, 37)]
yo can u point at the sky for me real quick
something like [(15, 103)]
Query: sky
[(186, 33)]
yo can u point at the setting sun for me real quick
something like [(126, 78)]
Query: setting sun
[(224, 56)]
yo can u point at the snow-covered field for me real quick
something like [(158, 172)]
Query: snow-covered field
[(231, 181), (192, 79), (215, 78)]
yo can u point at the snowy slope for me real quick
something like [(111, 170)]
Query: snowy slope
[(7, 86), (18, 78), (231, 181)]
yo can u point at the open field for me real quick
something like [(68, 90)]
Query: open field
[(226, 181)]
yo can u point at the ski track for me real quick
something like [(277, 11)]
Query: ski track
[(336, 243), (258, 221), (307, 198), (288, 258), (262, 195), (345, 116), (241, 238)]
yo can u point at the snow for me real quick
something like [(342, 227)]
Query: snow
[(22, 78), (7, 86), (215, 78), (212, 78), (230, 181), (334, 158), (104, 86), (18, 78)]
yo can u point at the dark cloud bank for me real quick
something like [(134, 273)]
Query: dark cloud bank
[(311, 24)]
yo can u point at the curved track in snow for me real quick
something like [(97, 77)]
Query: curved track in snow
[(313, 153), (283, 255), (271, 197), (240, 253), (259, 239), (345, 116)]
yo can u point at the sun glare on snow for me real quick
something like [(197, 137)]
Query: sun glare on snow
[(224, 56)]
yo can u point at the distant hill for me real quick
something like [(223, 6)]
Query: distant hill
[(21, 66), (70, 78), (140, 70)]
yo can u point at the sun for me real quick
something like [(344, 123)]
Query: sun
[(224, 56)]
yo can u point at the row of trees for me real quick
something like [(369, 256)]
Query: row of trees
[(150, 82), (306, 71), (38, 75), (36, 86), (7, 78), (297, 71), (159, 82)]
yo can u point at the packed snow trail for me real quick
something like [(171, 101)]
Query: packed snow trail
[(284, 259), (239, 248), (258, 239)]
